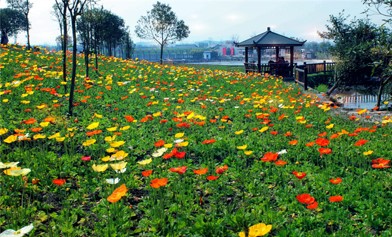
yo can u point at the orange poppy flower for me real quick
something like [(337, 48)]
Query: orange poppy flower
[(293, 142), (324, 151), (380, 163), (37, 129), (117, 194), (274, 133), (288, 134), (309, 144), (323, 134), (335, 180), (299, 175), (322, 141), (333, 136), (179, 170), (221, 169), (201, 171), (158, 182), (29, 121), (270, 156), (280, 163), (129, 118), (146, 173), (212, 177), (208, 141), (305, 198), (159, 143), (336, 198), (361, 142)]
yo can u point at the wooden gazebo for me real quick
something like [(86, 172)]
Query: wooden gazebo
[(269, 40)]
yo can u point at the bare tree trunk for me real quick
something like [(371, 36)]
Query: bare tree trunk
[(65, 42), (161, 54), (383, 83), (73, 77)]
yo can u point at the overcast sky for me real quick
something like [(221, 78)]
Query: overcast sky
[(213, 19)]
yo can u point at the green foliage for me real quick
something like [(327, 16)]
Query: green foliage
[(11, 22), (322, 88), (233, 108)]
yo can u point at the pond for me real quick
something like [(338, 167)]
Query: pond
[(355, 99)]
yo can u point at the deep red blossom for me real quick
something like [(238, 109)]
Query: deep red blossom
[(335, 180), (380, 163), (59, 182), (305, 198), (312, 206), (324, 151), (146, 173), (322, 141), (221, 169), (361, 142), (159, 143), (212, 177)]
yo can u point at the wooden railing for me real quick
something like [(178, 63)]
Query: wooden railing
[(283, 69), (301, 71)]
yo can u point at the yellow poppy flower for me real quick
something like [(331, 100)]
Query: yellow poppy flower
[(157, 114), (110, 138), (56, 135), (243, 147), (44, 124), (60, 139), (168, 145), (3, 131), (239, 132), (117, 143), (8, 165), (263, 129), (248, 153), (119, 155), (112, 129), (41, 106), (11, 139), (89, 142), (16, 171), (179, 135), (145, 162), (330, 126), (118, 166), (183, 144), (106, 158), (366, 153), (100, 168), (93, 126), (39, 136), (125, 127), (110, 150), (25, 102), (97, 115)]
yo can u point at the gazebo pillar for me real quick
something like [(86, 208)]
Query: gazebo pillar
[(276, 54), (291, 60), (258, 59), (246, 54)]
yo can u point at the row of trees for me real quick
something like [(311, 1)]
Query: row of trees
[(99, 30)]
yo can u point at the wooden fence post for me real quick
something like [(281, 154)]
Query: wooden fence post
[(305, 77)]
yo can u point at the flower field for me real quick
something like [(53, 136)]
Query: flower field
[(158, 150)]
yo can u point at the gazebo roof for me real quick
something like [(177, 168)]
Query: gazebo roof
[(269, 39)]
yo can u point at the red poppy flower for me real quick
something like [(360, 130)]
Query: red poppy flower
[(221, 169), (59, 182), (201, 171), (183, 125), (288, 134), (312, 206), (159, 143), (209, 141), (293, 142), (270, 156), (380, 163), (299, 175), (336, 198), (178, 170), (146, 173), (361, 142), (323, 134), (157, 183), (324, 151), (274, 133), (335, 180), (180, 154), (212, 177), (29, 121), (86, 158), (322, 141), (305, 198)]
